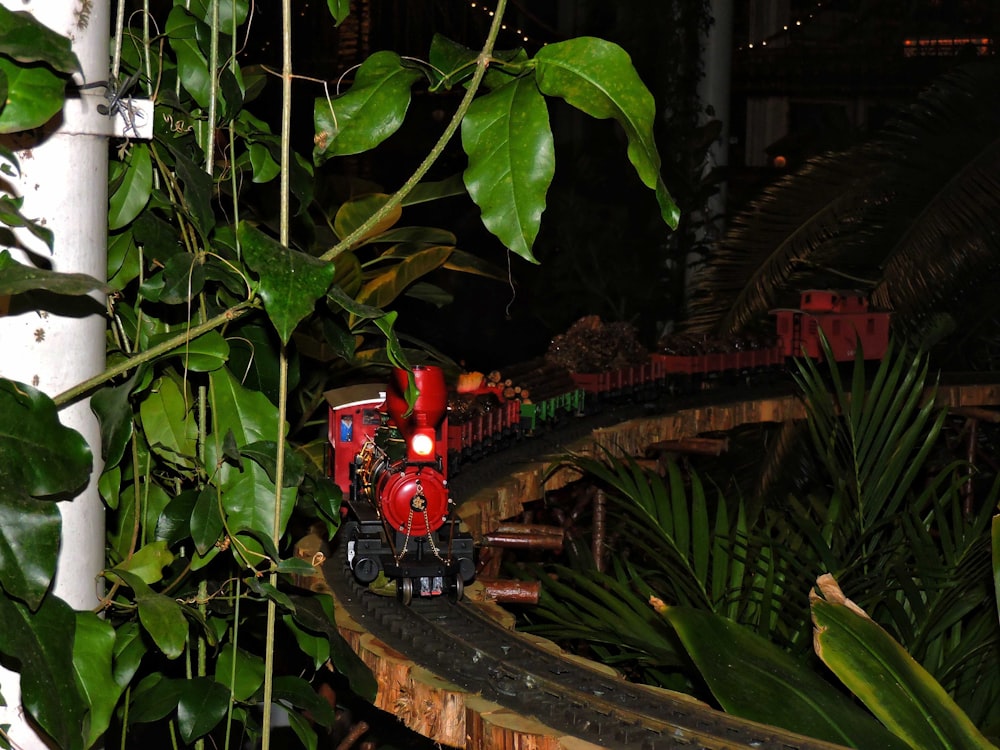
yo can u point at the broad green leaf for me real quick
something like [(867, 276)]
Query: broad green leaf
[(240, 671), (316, 647), (10, 214), (201, 705), (301, 725), (25, 40), (39, 458), (290, 282), (265, 167), (184, 32), (294, 691), (29, 544), (772, 688), (93, 650), (315, 614), (416, 235), (432, 191), (354, 213), (507, 138), (174, 522), (208, 352), (113, 409), (148, 562), (154, 698), (894, 687), (339, 9), (249, 500), (206, 520), (265, 454), (597, 78), (451, 62), (389, 284), (371, 111), (197, 193), (133, 186), (128, 652), (41, 644), (169, 424), (16, 278), (464, 262), (124, 264), (34, 95), (164, 620), (230, 11)]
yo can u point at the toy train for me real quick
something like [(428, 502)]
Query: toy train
[(391, 457)]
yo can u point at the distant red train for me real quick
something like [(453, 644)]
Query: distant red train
[(392, 462)]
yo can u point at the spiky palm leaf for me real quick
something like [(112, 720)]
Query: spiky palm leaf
[(913, 216)]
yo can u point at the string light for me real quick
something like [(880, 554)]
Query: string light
[(784, 29), (519, 32)]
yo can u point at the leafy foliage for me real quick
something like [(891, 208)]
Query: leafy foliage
[(216, 326), (886, 517)]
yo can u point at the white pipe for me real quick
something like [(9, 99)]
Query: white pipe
[(63, 179)]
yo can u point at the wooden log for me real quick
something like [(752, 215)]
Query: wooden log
[(504, 591), (699, 446)]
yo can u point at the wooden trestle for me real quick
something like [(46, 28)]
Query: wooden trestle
[(446, 714)]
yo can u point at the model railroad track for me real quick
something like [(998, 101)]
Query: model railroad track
[(481, 656)]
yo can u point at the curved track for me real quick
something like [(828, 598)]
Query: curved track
[(459, 675)]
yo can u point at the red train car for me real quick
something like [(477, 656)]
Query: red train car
[(843, 317)]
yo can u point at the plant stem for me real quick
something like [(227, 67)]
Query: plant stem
[(482, 62), (78, 391)]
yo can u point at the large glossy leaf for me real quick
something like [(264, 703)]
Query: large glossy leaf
[(900, 692), (34, 96), (755, 679), (25, 40), (169, 424), (184, 32), (451, 62), (148, 561), (388, 285), (30, 531), (201, 705), (339, 9), (230, 12), (113, 409), (597, 78), (17, 278), (240, 671), (315, 614), (352, 214), (93, 650), (290, 282), (41, 643), (133, 186), (11, 215), (371, 111), (507, 138)]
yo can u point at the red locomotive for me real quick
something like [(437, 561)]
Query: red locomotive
[(392, 462)]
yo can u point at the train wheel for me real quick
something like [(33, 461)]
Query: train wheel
[(404, 590), (456, 590)]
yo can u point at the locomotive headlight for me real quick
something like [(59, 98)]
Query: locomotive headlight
[(422, 443)]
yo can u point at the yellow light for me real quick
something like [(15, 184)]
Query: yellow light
[(422, 444)]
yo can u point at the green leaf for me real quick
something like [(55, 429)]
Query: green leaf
[(41, 644), (240, 671), (316, 647), (113, 409), (265, 453), (25, 40), (230, 11), (153, 698), (148, 562), (134, 186), (315, 614), (93, 649), (164, 620), (174, 523), (208, 352), (34, 96), (352, 214), (451, 62), (290, 281), (339, 9), (197, 193), (773, 688), (511, 154), (10, 214), (294, 691), (432, 191), (206, 520), (597, 78), (16, 278), (169, 424), (901, 693), (389, 284), (201, 705), (184, 32), (371, 111), (29, 544)]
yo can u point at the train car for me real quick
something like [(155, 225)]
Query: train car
[(389, 459), (843, 317)]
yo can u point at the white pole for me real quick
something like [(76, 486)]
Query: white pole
[(60, 342)]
